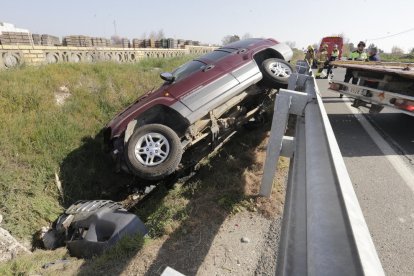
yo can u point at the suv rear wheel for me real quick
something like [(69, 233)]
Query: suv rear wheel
[(153, 152), (276, 72)]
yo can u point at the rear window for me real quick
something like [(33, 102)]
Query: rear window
[(187, 69)]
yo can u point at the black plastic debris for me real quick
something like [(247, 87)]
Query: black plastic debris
[(88, 228)]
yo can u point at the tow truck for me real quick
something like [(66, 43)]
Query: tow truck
[(380, 84)]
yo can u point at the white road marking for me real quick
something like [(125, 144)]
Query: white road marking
[(405, 172)]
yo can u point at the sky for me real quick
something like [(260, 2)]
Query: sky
[(209, 21)]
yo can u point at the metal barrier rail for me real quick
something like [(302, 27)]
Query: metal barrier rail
[(324, 231)]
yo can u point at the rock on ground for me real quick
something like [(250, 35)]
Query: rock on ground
[(10, 247)]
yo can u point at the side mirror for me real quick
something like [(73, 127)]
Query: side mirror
[(168, 77)]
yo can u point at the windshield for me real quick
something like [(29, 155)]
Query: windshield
[(187, 69)]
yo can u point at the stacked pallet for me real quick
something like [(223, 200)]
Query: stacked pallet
[(37, 39), (50, 40), (125, 43), (180, 43), (172, 43), (138, 43), (77, 41), (149, 43), (15, 38), (100, 42), (163, 43)]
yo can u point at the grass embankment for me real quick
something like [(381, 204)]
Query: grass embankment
[(39, 139)]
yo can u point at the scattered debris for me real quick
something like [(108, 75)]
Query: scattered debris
[(62, 95), (88, 228), (168, 271), (245, 240), (59, 185), (57, 262)]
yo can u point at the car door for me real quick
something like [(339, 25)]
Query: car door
[(201, 81)]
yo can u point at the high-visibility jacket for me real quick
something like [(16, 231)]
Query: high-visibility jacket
[(322, 56), (335, 53), (355, 55)]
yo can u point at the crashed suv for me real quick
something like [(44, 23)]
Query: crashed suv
[(200, 100)]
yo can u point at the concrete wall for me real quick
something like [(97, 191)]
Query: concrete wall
[(16, 55)]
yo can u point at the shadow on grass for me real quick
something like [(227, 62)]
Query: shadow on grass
[(210, 196), (88, 173)]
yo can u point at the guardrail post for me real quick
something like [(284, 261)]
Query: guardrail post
[(287, 102)]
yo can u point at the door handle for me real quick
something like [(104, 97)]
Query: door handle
[(208, 67)]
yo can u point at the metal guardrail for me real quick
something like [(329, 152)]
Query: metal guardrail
[(324, 231)]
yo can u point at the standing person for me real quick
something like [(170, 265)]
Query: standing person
[(310, 55), (334, 56), (322, 58), (373, 54), (359, 55)]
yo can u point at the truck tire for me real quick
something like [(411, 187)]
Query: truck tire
[(153, 151), (276, 72)]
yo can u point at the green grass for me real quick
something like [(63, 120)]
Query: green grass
[(39, 138), (30, 264), (397, 58), (297, 55)]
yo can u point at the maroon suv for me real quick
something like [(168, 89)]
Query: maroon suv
[(203, 99)]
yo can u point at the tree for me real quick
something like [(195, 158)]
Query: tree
[(160, 34), (396, 50), (372, 45), (246, 36), (152, 35), (229, 39)]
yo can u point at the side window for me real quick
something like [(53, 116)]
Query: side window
[(187, 69), (217, 54)]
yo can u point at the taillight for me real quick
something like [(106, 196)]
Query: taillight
[(335, 86), (403, 104)]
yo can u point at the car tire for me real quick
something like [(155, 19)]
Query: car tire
[(153, 151), (276, 72)]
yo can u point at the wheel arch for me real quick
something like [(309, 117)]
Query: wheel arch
[(268, 53), (158, 114), (280, 50)]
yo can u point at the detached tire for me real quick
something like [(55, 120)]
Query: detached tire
[(153, 152), (276, 72)]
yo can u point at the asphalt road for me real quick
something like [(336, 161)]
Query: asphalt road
[(378, 151)]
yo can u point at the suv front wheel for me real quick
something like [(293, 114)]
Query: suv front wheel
[(153, 151), (276, 72)]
